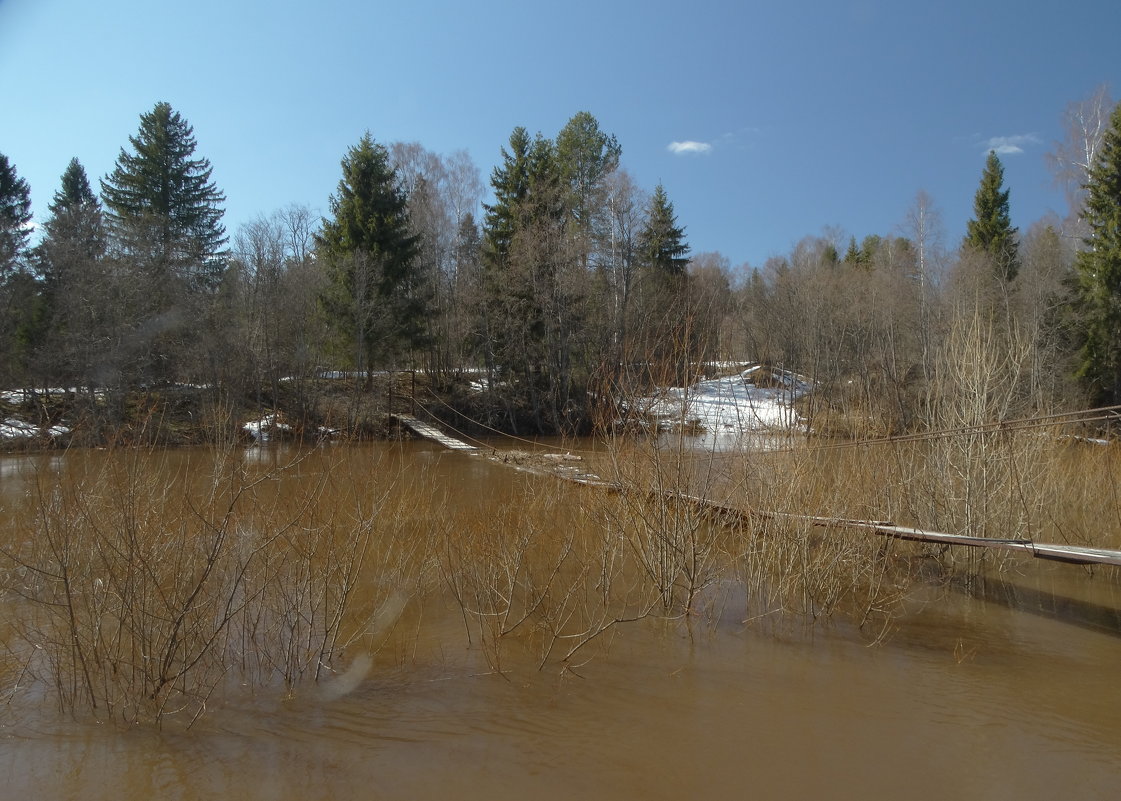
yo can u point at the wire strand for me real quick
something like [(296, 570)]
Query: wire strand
[(1097, 414), (491, 429)]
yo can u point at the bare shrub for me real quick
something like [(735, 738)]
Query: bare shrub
[(976, 478), (144, 589), (659, 513), (540, 571), (797, 557)]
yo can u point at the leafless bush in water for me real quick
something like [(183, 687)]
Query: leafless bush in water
[(139, 591), (977, 475), (537, 570), (663, 543), (660, 515), (136, 597)]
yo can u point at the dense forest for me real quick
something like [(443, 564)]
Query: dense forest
[(571, 288)]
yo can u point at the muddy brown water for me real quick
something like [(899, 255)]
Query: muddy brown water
[(1011, 692)]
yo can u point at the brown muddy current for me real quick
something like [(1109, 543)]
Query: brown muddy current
[(1008, 693)]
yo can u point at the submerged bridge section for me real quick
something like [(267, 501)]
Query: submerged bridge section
[(552, 464), (426, 431), (1072, 554), (558, 465)]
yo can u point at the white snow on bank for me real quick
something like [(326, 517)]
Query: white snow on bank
[(26, 395), (735, 407), (19, 396), (18, 429), (261, 429)]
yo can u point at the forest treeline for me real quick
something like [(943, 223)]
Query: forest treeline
[(571, 288)]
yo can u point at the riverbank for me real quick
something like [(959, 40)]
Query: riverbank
[(351, 407), (332, 406)]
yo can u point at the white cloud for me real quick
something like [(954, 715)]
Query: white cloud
[(688, 148), (1010, 145)]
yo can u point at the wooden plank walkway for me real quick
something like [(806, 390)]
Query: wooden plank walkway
[(431, 432), (1072, 554)]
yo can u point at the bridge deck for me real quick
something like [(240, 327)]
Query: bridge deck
[(427, 431), (1074, 554)]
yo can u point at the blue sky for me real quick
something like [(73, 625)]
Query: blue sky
[(805, 114)]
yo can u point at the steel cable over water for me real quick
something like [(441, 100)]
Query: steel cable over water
[(1099, 414)]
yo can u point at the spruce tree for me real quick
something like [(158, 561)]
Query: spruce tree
[(533, 316), (375, 300), (662, 241), (20, 303), (990, 231), (528, 209), (75, 228), (510, 182), (75, 285), (664, 333), (161, 201), (1099, 271), (853, 256), (75, 189), (15, 216), (163, 215)]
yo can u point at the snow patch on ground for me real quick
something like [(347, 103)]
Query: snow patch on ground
[(13, 429), (725, 411), (271, 426), (261, 430), (18, 396)]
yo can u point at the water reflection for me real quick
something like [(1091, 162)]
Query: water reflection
[(1051, 603), (14, 470), (663, 716)]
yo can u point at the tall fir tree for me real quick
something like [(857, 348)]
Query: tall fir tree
[(501, 223), (19, 291), (15, 216), (163, 217), (533, 315), (663, 330), (510, 182), (374, 300), (990, 232), (853, 255), (662, 241), (1098, 269), (75, 189), (162, 202), (75, 228), (75, 285)]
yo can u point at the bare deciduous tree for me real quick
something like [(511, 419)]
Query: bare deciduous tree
[(1084, 124)]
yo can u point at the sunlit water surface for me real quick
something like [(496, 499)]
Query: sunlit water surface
[(1011, 697)]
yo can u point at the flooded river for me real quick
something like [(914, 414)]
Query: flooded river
[(1008, 692)]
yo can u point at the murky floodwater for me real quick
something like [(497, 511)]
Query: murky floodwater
[(1010, 695)]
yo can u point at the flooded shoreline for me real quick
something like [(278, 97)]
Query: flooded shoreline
[(1002, 691)]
